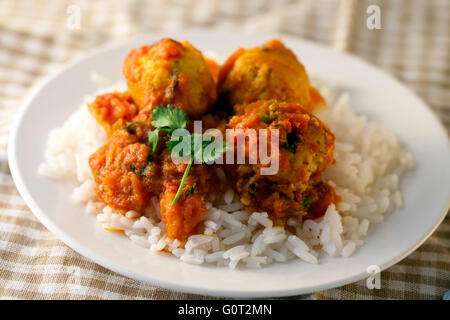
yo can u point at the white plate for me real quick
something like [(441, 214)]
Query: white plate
[(374, 93)]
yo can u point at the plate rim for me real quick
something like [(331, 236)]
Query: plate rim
[(20, 183)]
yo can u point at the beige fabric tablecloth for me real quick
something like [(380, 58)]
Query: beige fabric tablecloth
[(413, 45)]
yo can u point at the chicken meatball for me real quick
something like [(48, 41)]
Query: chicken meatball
[(262, 73), (169, 72), (304, 151), (125, 172)]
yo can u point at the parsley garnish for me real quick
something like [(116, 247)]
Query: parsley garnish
[(190, 191), (168, 119), (153, 137)]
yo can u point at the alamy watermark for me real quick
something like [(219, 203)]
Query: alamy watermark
[(374, 279), (374, 19), (73, 21)]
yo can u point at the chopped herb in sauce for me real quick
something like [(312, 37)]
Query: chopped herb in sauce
[(175, 80), (190, 191), (134, 169), (137, 171), (292, 139), (130, 127), (252, 188), (266, 118), (308, 201)]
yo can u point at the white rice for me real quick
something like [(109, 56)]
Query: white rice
[(369, 164)]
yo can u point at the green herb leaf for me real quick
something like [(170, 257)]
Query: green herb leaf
[(183, 180), (168, 118), (217, 149), (198, 144), (153, 137), (173, 143)]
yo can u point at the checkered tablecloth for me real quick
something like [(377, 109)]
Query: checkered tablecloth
[(413, 44)]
